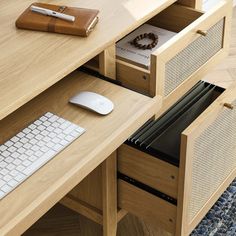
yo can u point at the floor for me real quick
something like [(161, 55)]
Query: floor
[(60, 221)]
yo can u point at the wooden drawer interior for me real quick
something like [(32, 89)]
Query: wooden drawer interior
[(149, 170)]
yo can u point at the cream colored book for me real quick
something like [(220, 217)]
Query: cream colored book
[(128, 52)]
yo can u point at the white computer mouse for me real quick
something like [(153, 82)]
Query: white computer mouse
[(93, 101)]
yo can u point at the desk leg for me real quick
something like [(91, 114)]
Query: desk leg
[(107, 62), (109, 191)]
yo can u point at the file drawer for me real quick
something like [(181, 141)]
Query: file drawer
[(201, 40), (154, 172), (207, 164), (153, 209)]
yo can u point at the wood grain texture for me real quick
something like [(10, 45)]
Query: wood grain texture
[(149, 170), (30, 62), (60, 221), (104, 134), (109, 195), (107, 62)]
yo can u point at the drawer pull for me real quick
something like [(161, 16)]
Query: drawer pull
[(202, 32), (228, 105)]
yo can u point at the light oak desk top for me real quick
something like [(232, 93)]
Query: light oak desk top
[(30, 62)]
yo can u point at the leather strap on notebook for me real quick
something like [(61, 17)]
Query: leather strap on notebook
[(52, 22)]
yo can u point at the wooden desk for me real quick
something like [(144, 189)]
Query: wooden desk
[(30, 62)]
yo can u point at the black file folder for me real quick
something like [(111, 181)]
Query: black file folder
[(162, 137), (168, 143), (183, 105)]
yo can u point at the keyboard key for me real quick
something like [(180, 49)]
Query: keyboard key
[(26, 163), (32, 126), (31, 135), (23, 157), (7, 178), (16, 139), (9, 160), (53, 118), (12, 183), (12, 149), (69, 138), (14, 173), (43, 118), (48, 114), (26, 130), (2, 183), (5, 154), (15, 154), (20, 168), (16, 162), (6, 188), (35, 148), (19, 177), (18, 144), (4, 172), (46, 123), (21, 150), (19, 135), (10, 166), (38, 122), (24, 140), (9, 143), (3, 148), (27, 145), (3, 164)]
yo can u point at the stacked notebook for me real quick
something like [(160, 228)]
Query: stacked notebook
[(161, 137), (82, 25)]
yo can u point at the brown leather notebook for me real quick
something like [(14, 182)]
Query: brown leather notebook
[(85, 20)]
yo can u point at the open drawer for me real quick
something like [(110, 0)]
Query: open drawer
[(206, 165), (201, 40)]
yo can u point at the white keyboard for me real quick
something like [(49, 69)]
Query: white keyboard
[(33, 147)]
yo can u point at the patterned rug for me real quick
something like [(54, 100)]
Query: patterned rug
[(221, 219)]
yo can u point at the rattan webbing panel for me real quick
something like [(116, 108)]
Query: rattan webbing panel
[(195, 55), (214, 158)]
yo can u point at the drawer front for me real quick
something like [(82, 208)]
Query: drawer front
[(208, 158), (182, 61), (148, 170), (150, 208)]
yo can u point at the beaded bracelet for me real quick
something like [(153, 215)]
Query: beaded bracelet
[(153, 37)]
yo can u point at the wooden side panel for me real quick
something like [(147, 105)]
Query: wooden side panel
[(89, 190), (107, 62), (133, 77)]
